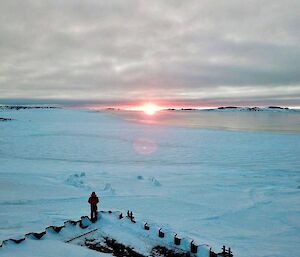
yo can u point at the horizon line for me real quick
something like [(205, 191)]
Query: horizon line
[(164, 103)]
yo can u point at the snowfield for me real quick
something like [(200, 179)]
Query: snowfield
[(235, 188)]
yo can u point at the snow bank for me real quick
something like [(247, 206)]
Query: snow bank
[(77, 180), (152, 180), (108, 190)]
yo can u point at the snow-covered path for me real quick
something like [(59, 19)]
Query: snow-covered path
[(235, 188)]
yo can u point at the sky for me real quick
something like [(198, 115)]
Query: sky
[(172, 52)]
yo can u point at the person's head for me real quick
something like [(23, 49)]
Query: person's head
[(93, 194)]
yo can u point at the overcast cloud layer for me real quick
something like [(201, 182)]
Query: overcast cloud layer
[(206, 51)]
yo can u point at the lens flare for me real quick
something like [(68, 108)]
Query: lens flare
[(144, 146)]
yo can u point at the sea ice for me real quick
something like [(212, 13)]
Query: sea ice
[(238, 188)]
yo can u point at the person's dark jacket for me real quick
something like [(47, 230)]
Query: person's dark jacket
[(93, 200)]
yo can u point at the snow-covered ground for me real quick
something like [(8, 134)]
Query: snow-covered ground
[(237, 188)]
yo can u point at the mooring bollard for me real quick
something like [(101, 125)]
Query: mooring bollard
[(211, 253), (160, 233), (226, 253), (230, 254), (130, 216), (177, 240), (146, 226), (194, 248)]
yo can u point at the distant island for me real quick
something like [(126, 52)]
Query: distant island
[(23, 107), (252, 109), (5, 119), (255, 109), (239, 109)]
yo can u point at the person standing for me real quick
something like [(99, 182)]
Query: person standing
[(93, 201)]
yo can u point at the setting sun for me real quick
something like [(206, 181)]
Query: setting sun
[(150, 108)]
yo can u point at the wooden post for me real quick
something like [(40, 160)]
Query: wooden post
[(160, 233), (211, 253), (194, 248), (146, 226), (177, 240), (229, 252)]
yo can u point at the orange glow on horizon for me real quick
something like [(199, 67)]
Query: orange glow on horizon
[(149, 108)]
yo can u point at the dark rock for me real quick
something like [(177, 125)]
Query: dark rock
[(113, 247), (163, 251)]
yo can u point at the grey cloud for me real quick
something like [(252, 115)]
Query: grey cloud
[(112, 50)]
